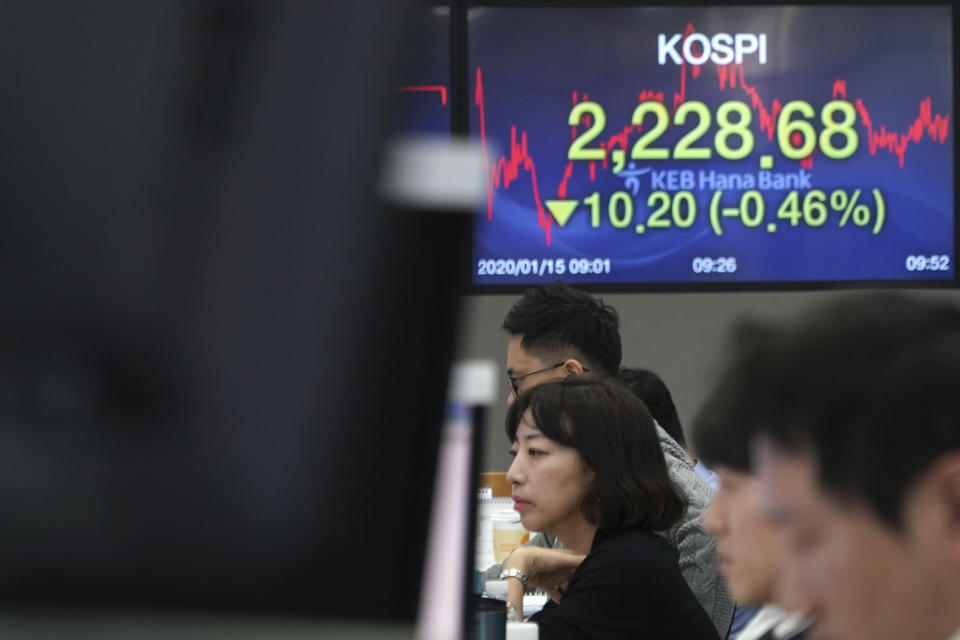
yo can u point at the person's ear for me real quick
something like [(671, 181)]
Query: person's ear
[(946, 478), (572, 367), (951, 487)]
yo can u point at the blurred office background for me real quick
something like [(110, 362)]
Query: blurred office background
[(681, 336)]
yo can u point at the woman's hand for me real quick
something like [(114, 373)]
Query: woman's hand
[(547, 569)]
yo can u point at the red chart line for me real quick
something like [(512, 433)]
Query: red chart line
[(506, 168), (442, 90), (934, 126)]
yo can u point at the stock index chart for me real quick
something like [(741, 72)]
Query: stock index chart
[(700, 145), (424, 100)]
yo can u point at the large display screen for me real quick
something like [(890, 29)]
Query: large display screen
[(693, 146)]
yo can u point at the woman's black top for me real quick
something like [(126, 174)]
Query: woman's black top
[(629, 586)]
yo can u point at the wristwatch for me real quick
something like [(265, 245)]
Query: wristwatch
[(514, 573)]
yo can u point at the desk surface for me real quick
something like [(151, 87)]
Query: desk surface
[(56, 624), (522, 631)]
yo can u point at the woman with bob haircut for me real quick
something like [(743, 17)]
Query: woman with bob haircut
[(589, 469)]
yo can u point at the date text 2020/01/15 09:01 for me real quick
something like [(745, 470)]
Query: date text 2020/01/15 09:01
[(542, 267)]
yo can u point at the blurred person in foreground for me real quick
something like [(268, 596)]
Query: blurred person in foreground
[(588, 468), (856, 434), (750, 549)]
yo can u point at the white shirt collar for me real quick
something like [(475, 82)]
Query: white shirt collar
[(772, 617)]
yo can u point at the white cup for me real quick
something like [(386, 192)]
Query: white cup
[(508, 533)]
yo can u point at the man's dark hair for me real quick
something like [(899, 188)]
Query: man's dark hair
[(868, 385), (613, 431), (556, 318), (650, 388), (722, 428)]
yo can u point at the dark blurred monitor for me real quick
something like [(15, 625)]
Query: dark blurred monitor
[(445, 610), (224, 360)]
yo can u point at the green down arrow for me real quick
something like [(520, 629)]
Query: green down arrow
[(561, 209)]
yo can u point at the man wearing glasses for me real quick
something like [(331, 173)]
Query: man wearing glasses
[(557, 331)]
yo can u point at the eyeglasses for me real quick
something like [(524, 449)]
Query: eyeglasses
[(513, 380)]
